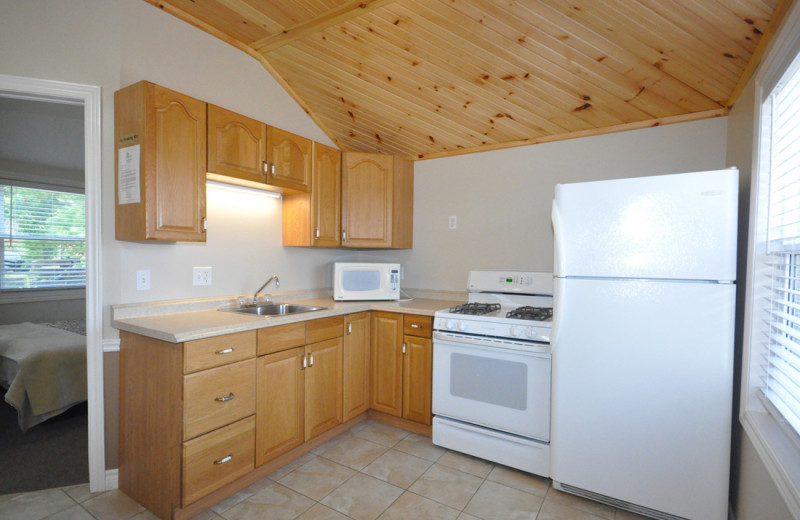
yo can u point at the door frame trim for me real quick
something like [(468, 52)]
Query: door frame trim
[(90, 97)]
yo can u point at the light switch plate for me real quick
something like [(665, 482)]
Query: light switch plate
[(143, 280)]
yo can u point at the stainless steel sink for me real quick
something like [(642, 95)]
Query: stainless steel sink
[(273, 309)]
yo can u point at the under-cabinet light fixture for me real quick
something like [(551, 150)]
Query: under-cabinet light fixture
[(221, 182)]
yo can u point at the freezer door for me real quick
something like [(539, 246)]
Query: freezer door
[(642, 389), (669, 226)]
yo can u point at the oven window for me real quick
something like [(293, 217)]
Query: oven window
[(494, 381)]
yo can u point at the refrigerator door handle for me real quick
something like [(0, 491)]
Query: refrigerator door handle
[(558, 259)]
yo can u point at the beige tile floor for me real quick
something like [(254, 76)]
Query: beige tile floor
[(373, 471)]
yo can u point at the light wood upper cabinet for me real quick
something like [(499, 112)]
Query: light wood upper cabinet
[(314, 219), (377, 201), (289, 158), (170, 131), (237, 145), (356, 364), (326, 196)]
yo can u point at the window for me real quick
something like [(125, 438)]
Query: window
[(780, 167), (770, 404), (43, 239)]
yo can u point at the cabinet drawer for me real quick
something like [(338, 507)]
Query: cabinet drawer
[(201, 354), (215, 459), (281, 337), (324, 328), (415, 325), (219, 396)]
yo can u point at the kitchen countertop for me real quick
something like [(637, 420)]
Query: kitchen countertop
[(185, 326)]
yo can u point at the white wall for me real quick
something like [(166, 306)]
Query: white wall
[(503, 199)]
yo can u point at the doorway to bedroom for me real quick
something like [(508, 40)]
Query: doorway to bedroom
[(44, 416)]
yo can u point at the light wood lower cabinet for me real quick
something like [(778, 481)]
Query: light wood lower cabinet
[(356, 364), (199, 415), (402, 361), (213, 460), (387, 363), (280, 401), (299, 390), (184, 408), (323, 379)]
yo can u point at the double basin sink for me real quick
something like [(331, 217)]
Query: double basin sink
[(272, 309)]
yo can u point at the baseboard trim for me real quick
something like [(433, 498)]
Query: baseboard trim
[(112, 479)]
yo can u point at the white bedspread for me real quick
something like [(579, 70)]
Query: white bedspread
[(44, 370)]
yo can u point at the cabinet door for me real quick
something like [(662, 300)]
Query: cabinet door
[(323, 380), (237, 145), (387, 363), (289, 156), (279, 403), (170, 129), (356, 365), (367, 185), (326, 196), (417, 373)]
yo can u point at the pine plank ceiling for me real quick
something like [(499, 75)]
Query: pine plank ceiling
[(432, 78)]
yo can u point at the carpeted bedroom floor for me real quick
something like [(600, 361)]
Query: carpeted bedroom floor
[(51, 454)]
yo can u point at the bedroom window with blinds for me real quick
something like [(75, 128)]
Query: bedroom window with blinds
[(43, 236), (780, 164)]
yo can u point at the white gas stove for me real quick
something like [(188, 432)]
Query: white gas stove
[(512, 308), (491, 370)]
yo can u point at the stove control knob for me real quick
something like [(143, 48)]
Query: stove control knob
[(462, 325), (515, 331), (451, 324), (530, 332)]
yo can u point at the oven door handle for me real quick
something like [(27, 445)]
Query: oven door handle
[(533, 348)]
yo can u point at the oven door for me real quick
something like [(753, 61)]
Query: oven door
[(502, 389)]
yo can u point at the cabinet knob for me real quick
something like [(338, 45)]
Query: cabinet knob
[(225, 399)]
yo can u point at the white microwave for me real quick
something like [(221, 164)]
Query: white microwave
[(366, 281)]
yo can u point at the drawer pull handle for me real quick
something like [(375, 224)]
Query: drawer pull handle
[(311, 360), (224, 351), (415, 326), (223, 460), (228, 397)]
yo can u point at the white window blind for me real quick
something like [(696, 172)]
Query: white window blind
[(780, 163), (43, 236)]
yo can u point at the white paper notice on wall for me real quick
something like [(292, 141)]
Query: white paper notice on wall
[(128, 175)]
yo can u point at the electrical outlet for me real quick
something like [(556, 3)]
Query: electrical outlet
[(452, 222), (201, 275), (143, 280)]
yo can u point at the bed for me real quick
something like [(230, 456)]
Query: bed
[(43, 368)]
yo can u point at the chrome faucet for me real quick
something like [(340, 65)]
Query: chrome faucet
[(277, 284)]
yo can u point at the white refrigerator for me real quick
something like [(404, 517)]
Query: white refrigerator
[(642, 342)]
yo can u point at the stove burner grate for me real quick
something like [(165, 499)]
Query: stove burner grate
[(475, 308), (531, 313)]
